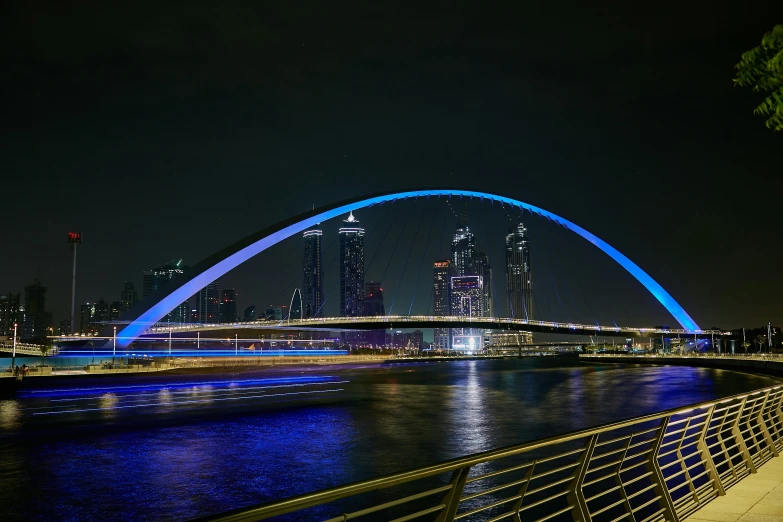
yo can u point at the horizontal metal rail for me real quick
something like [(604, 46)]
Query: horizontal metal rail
[(662, 466)]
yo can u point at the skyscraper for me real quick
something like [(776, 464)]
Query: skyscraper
[(9, 314), (227, 308), (313, 280), (115, 310), (157, 278), (36, 319), (441, 277), (128, 296), (207, 304), (373, 299), (481, 267), (351, 268), (463, 250), (519, 280)]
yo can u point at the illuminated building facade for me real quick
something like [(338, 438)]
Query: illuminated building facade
[(467, 300), (351, 268), (519, 278), (207, 304), (313, 280), (441, 279)]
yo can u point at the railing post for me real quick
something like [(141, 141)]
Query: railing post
[(619, 481), (522, 491), (740, 440), (763, 425), (712, 471), (660, 488), (452, 498), (576, 496)]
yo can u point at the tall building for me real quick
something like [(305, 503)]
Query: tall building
[(9, 314), (441, 278), (351, 268), (157, 278), (373, 299), (36, 320), (467, 300), (519, 280), (227, 308), (101, 314), (313, 280), (481, 267), (115, 310), (128, 296), (207, 303), (86, 313), (463, 250)]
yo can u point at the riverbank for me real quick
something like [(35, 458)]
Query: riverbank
[(761, 364)]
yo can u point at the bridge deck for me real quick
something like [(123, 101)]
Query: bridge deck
[(758, 498)]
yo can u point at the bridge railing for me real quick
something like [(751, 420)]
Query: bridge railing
[(658, 467), (485, 322)]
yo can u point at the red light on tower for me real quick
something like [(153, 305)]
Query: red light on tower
[(74, 237)]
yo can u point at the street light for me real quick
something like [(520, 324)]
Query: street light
[(114, 346), (13, 355)]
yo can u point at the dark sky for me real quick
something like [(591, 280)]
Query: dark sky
[(165, 130)]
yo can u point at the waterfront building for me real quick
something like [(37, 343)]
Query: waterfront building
[(35, 320), (86, 312), (508, 338), (159, 277), (441, 279), (313, 278), (207, 304), (467, 300), (351, 268), (128, 296), (227, 308), (276, 313), (9, 314)]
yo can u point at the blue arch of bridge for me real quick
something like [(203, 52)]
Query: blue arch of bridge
[(218, 264)]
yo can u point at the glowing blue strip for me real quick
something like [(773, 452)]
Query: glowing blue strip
[(175, 298)]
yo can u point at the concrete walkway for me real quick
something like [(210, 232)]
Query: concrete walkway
[(757, 498)]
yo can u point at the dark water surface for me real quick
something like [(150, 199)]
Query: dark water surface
[(173, 447)]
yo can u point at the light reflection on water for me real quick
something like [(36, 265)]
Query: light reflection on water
[(190, 455)]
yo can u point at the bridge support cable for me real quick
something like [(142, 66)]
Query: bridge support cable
[(421, 263), (396, 244), (405, 266), (439, 252)]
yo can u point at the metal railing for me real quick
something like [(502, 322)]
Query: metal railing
[(762, 356), (657, 467)]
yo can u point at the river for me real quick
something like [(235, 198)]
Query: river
[(178, 446)]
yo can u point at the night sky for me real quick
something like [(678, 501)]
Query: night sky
[(169, 130)]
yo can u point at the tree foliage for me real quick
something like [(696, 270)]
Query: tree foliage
[(762, 69)]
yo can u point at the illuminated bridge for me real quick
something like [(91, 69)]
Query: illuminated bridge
[(430, 321), (143, 320)]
